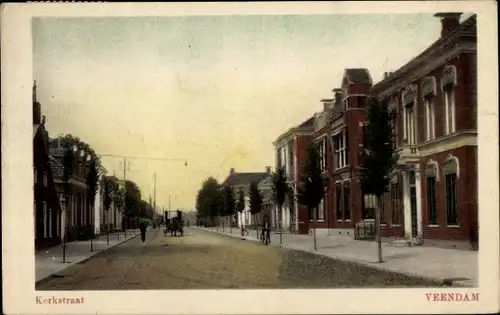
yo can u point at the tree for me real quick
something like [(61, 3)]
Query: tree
[(255, 202), (132, 200), (379, 157), (107, 192), (229, 203), (311, 186), (210, 200), (240, 203), (280, 190)]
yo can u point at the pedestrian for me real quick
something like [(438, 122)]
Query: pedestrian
[(266, 228), (142, 227)]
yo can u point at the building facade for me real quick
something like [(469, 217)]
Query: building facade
[(79, 214), (291, 154), (434, 191), (46, 203), (241, 181)]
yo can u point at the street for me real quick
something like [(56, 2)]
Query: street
[(205, 260)]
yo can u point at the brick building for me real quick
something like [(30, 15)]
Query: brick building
[(291, 153), (435, 100), (434, 191)]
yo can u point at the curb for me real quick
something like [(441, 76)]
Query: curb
[(83, 260), (439, 281)]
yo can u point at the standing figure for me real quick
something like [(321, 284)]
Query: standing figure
[(142, 227)]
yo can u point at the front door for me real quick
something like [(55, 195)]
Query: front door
[(413, 205)]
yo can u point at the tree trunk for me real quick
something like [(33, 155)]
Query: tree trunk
[(314, 228), (377, 226), (281, 224)]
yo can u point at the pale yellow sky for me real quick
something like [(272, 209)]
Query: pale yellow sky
[(207, 89)]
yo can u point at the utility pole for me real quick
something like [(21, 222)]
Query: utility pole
[(169, 202), (154, 192), (124, 168)]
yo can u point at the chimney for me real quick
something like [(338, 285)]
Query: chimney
[(268, 169), (449, 22), (338, 95), (231, 172)]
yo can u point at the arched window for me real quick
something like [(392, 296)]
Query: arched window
[(448, 83), (409, 98), (451, 174), (428, 92), (431, 179)]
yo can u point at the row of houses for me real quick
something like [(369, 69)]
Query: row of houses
[(55, 212), (433, 192)]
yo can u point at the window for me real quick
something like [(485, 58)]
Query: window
[(449, 108), (451, 199), (347, 195), (431, 201), (430, 126), (45, 179), (321, 146), (338, 198), (35, 176), (45, 221), (410, 124), (320, 215), (395, 205), (340, 142), (346, 104)]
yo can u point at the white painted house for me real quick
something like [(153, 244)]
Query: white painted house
[(242, 181)]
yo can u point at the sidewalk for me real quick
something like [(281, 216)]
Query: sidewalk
[(49, 261), (459, 266)]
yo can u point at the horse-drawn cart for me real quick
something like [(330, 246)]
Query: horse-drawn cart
[(173, 226)]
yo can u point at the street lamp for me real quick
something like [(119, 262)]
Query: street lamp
[(64, 225)]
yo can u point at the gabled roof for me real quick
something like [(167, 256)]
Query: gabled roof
[(357, 75), (240, 179)]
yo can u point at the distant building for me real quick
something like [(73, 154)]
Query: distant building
[(80, 214), (242, 181)]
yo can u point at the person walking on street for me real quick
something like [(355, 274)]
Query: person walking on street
[(142, 227)]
